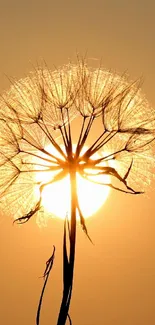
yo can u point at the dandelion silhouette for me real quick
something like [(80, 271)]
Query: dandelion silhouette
[(37, 113)]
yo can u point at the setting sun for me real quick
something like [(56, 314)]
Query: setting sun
[(91, 196), (56, 197)]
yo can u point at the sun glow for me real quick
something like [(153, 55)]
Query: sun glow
[(91, 196)]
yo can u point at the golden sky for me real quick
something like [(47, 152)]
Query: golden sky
[(114, 279)]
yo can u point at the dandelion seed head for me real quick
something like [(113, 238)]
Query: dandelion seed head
[(42, 95), (39, 108)]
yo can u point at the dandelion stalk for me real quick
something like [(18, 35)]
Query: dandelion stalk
[(68, 268)]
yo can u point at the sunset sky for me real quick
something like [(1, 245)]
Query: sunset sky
[(114, 280)]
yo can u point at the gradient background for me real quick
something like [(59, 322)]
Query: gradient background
[(115, 279)]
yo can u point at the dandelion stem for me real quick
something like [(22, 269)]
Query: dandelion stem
[(63, 137), (109, 136), (85, 136), (40, 149), (49, 136), (69, 263), (69, 134), (80, 136), (64, 125), (39, 157)]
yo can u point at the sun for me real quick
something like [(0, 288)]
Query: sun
[(91, 194), (56, 197)]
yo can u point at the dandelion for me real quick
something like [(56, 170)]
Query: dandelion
[(36, 138)]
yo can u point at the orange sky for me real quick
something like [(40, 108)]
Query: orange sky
[(115, 279)]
